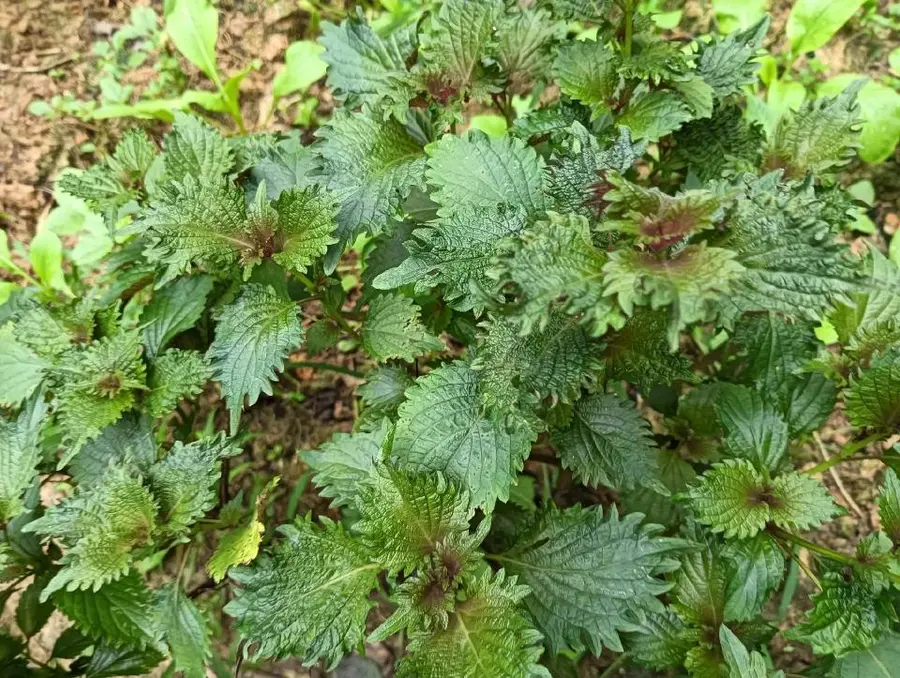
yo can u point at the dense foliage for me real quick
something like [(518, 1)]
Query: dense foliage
[(595, 351)]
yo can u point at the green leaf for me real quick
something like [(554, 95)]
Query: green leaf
[(552, 362), (694, 283), (609, 443), (185, 631), (845, 617), (286, 165), (698, 593), (198, 224), (121, 613), (557, 267), (756, 568), (385, 388), (873, 400), (175, 375), (477, 170), (792, 263), (455, 252), (735, 499), (525, 42), (408, 517), (110, 662), (46, 254), (98, 386), (724, 141), (812, 23), (741, 664), (254, 335), (345, 461), (174, 309), (588, 72), (879, 661), (727, 64), (889, 505), (306, 221), (879, 108), (371, 165), (392, 329), (364, 67), (754, 428), (20, 452), (196, 149), (303, 65), (734, 15), (822, 135), (31, 612), (591, 576), (193, 26), (662, 642), (487, 635), (184, 483), (101, 526), (653, 115), (442, 428), (130, 440), (308, 598), (655, 217), (457, 40)]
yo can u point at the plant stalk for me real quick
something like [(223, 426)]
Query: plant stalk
[(849, 450), (311, 364), (629, 26)]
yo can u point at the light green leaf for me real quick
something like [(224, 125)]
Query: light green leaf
[(734, 15), (587, 72), (21, 370), (754, 428), (812, 23), (184, 482), (653, 115), (486, 635), (408, 517), (46, 254), (476, 170), (734, 498), (345, 461), (303, 65), (193, 26), (879, 109)]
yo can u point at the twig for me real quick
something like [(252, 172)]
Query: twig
[(200, 589), (837, 479), (38, 69)]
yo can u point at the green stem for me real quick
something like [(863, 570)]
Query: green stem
[(307, 283), (629, 26), (823, 551), (620, 661), (849, 450), (301, 364)]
